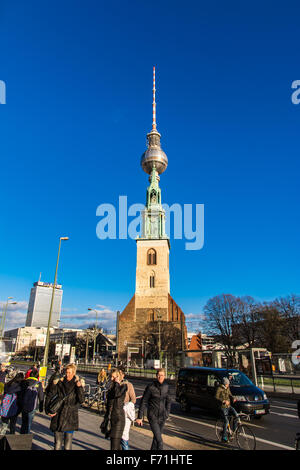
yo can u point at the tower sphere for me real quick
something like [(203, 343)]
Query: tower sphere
[(154, 154)]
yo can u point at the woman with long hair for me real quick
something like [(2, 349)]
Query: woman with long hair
[(66, 420), (114, 419)]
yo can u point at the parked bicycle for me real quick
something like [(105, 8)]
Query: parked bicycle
[(97, 396), (243, 434)]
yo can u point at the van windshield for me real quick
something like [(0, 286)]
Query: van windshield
[(237, 379)]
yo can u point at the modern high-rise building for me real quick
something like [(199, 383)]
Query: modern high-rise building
[(39, 305), (152, 303)]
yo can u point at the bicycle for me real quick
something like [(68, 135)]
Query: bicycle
[(243, 434), (97, 397)]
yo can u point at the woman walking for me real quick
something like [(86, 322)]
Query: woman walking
[(65, 421), (114, 419)]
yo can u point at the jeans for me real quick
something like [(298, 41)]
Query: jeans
[(27, 419), (124, 444), (225, 413), (59, 437), (156, 425)]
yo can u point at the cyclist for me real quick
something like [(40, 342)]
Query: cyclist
[(223, 396)]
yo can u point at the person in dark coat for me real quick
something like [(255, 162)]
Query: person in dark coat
[(157, 399), (13, 387), (66, 420), (3, 374), (31, 400), (114, 418)]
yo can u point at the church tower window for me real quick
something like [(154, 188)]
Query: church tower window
[(152, 281), (151, 257)]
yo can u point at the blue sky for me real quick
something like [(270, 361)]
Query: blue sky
[(79, 104)]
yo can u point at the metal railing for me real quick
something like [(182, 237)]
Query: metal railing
[(279, 383)]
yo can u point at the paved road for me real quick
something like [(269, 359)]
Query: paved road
[(275, 431)]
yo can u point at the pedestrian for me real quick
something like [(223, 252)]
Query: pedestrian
[(223, 396), (101, 377), (57, 374), (10, 407), (31, 400), (65, 421), (33, 367), (129, 409), (157, 399), (114, 419), (3, 374)]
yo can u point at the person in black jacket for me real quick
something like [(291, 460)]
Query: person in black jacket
[(65, 421), (31, 400), (115, 416), (157, 399), (13, 387)]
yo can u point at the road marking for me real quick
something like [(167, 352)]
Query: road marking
[(284, 402), (284, 408), (284, 414), (258, 439)]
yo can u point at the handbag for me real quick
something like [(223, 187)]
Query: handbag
[(56, 402), (105, 428)]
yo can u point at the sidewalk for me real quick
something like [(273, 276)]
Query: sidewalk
[(89, 436)]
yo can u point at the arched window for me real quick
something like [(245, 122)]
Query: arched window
[(151, 257), (152, 280), (151, 315)]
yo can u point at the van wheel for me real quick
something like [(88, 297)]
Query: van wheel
[(184, 404)]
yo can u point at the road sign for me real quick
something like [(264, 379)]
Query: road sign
[(133, 350), (40, 340)]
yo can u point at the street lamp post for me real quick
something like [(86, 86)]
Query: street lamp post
[(159, 317), (4, 314), (45, 360), (95, 332), (86, 346)]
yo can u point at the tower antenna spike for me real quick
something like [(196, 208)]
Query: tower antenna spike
[(154, 103)]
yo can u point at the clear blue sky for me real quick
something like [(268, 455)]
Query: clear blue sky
[(79, 103)]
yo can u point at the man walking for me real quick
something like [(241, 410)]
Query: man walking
[(157, 399)]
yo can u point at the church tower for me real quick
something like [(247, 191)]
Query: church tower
[(152, 301)]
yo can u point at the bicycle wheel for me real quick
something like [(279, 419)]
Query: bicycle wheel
[(245, 437), (219, 429)]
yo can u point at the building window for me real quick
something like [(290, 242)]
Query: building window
[(152, 281), (151, 316), (151, 257)]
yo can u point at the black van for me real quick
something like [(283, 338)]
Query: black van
[(197, 386)]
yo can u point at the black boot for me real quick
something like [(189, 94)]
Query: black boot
[(58, 439), (68, 440)]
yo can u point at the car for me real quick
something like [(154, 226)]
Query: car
[(197, 386)]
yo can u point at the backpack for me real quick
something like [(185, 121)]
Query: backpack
[(30, 397), (9, 405)]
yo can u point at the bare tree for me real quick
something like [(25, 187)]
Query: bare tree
[(247, 329), (271, 330), (222, 315), (289, 308), (170, 339)]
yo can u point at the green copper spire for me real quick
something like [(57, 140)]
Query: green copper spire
[(153, 226)]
